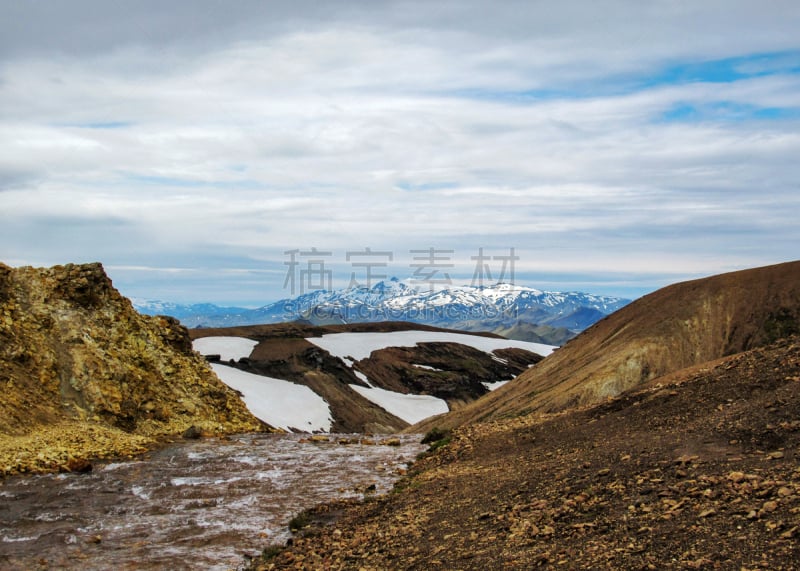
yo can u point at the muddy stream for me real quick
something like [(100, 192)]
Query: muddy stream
[(196, 504)]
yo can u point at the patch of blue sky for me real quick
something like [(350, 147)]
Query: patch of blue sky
[(510, 96), (409, 186), (101, 125), (725, 70), (150, 180), (724, 111)]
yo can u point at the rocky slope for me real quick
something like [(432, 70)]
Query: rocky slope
[(676, 327), (85, 375), (698, 470)]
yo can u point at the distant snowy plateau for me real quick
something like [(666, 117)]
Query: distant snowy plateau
[(290, 406), (516, 312)]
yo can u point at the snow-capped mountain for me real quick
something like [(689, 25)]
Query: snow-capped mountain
[(485, 308), (460, 307)]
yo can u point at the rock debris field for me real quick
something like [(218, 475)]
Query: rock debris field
[(696, 471)]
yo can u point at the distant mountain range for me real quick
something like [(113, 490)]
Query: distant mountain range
[(516, 312)]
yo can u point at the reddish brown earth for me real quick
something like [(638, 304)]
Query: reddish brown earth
[(449, 371), (664, 437), (698, 470), (673, 328)]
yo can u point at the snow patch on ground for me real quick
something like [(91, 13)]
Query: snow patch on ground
[(494, 386), (359, 345), (426, 367), (362, 376), (411, 408), (278, 403), (226, 347)]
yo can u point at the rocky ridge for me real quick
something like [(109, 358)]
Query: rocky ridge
[(84, 375)]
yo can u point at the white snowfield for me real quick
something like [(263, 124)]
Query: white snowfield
[(278, 403), (360, 345), (426, 367), (494, 386), (226, 347), (411, 408), (287, 405)]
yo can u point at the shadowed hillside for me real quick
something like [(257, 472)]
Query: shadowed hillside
[(678, 326)]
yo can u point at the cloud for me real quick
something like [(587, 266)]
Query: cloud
[(661, 143)]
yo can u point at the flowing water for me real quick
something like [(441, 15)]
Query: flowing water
[(199, 504)]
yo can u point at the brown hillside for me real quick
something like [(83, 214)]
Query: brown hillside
[(85, 375), (675, 327), (698, 473)]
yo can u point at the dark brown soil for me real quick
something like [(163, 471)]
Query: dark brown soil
[(449, 371), (695, 471)]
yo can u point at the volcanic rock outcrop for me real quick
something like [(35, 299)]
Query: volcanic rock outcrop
[(84, 375)]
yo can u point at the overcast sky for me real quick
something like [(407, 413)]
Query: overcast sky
[(188, 145)]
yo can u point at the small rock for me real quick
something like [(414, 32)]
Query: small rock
[(789, 534), (192, 433), (770, 506), (79, 465)]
